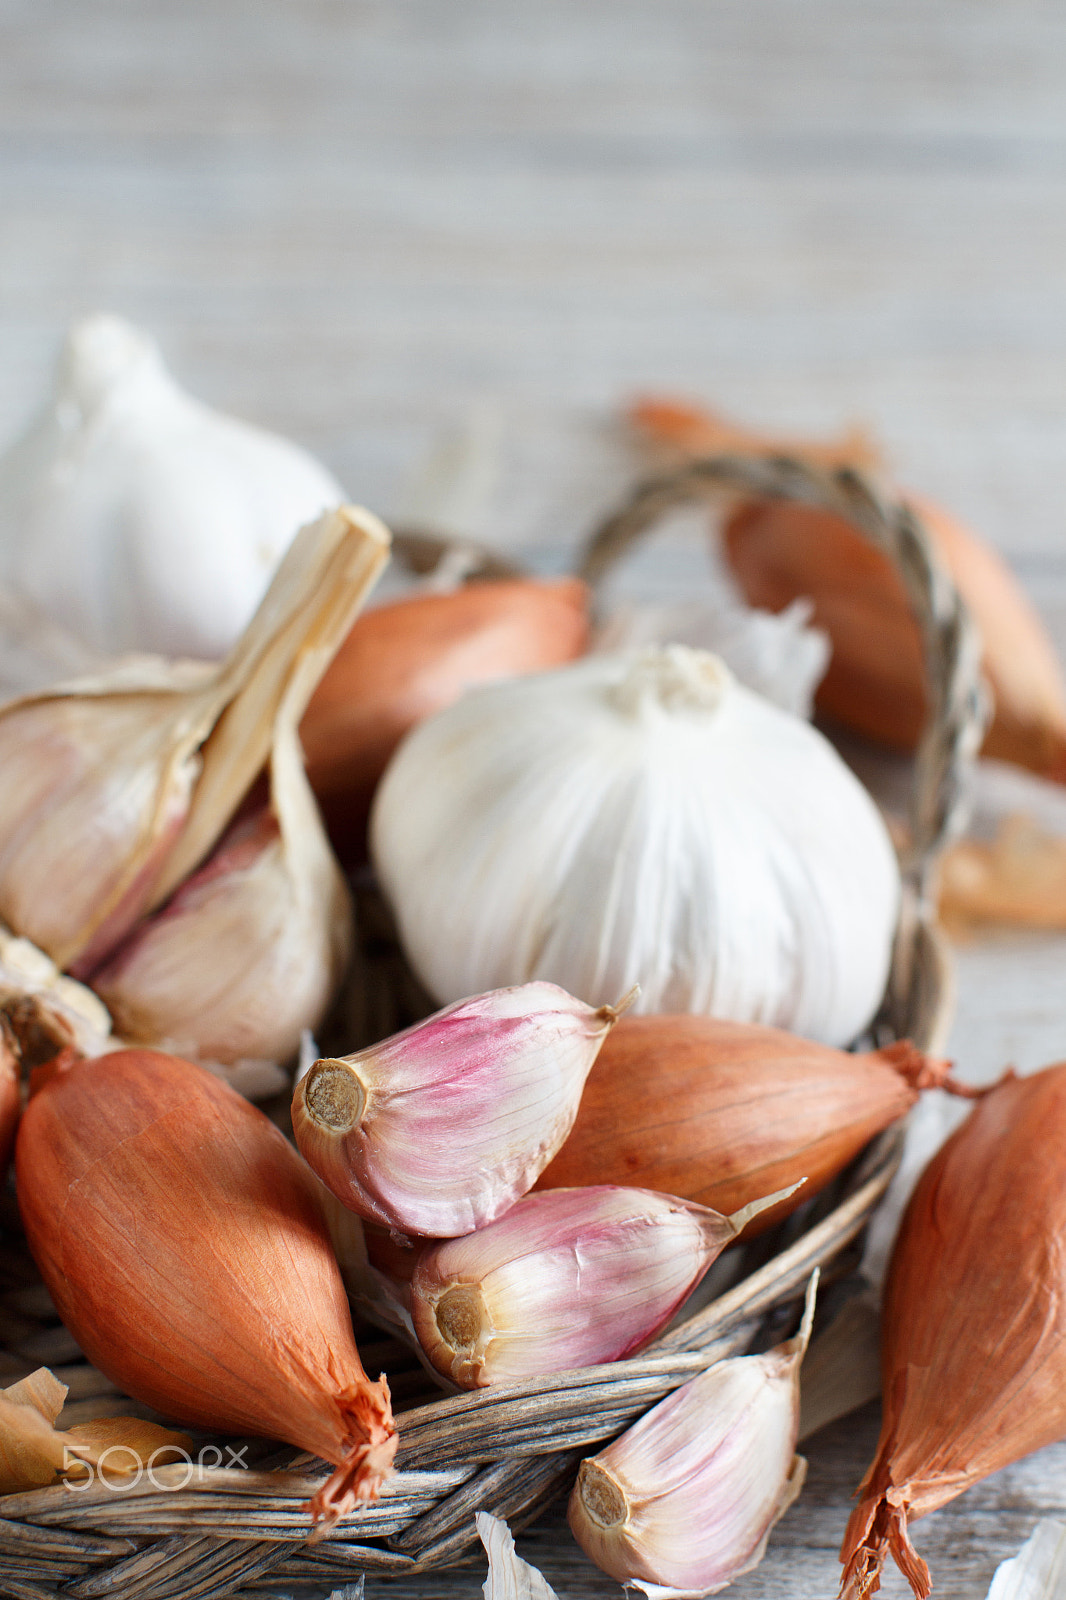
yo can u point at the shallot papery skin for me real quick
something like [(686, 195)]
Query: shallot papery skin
[(974, 1324), (724, 1112), (181, 1238)]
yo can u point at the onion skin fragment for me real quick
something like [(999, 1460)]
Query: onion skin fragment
[(722, 1113), (974, 1323), (182, 1240)]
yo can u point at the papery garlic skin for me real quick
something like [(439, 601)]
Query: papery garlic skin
[(565, 1278), (83, 778), (137, 518), (510, 1578), (686, 1499), (439, 1129), (640, 818)]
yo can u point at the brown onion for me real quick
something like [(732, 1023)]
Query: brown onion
[(403, 661), (974, 1325), (181, 1238), (724, 1112)]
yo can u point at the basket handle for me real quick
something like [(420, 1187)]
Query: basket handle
[(959, 702)]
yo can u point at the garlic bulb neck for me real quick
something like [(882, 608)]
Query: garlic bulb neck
[(674, 678)]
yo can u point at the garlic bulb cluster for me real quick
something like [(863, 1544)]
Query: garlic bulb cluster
[(249, 951), (125, 851), (136, 518), (640, 819)]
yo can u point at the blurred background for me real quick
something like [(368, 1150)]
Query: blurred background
[(357, 222)]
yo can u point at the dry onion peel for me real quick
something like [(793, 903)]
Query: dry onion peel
[(723, 1112), (974, 1323), (1019, 877), (182, 1241), (687, 428)]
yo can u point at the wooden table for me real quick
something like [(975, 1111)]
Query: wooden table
[(363, 223)]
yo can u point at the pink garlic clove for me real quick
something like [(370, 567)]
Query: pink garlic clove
[(439, 1129), (567, 1278), (685, 1500)]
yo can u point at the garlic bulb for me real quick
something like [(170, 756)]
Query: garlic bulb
[(640, 819), (136, 518)]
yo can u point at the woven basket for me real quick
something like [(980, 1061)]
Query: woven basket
[(228, 1530)]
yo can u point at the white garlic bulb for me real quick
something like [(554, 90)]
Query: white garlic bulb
[(136, 518), (640, 819)]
